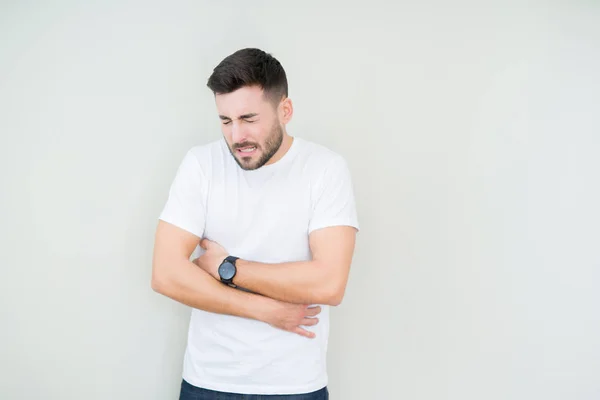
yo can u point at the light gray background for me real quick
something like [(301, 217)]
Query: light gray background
[(473, 135)]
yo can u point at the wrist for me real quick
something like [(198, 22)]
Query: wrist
[(241, 273), (263, 309)]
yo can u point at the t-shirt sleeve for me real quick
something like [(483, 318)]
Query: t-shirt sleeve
[(186, 203), (333, 200)]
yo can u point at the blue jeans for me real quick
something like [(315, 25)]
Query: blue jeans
[(190, 392)]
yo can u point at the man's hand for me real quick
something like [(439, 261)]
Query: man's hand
[(291, 317), (212, 258)]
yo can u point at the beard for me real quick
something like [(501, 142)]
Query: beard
[(271, 145)]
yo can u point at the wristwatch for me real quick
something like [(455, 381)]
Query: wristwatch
[(227, 270)]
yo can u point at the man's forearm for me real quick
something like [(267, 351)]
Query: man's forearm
[(302, 282), (190, 285)]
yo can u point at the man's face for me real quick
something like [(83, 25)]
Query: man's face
[(250, 125)]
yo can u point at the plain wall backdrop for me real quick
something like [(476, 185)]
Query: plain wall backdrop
[(473, 134)]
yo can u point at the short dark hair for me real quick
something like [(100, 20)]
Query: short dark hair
[(249, 67)]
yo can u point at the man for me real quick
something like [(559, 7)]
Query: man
[(275, 219)]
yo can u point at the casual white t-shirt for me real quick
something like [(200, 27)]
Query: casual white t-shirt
[(264, 215)]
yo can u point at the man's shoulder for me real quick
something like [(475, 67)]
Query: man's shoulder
[(320, 160), (318, 154)]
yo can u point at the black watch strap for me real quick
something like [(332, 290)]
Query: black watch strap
[(231, 259)]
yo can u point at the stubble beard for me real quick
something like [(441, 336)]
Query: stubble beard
[(272, 144)]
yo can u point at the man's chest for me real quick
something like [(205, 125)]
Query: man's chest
[(267, 223)]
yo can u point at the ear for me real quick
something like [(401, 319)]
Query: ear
[(286, 110)]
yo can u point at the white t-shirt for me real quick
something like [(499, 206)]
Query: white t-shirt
[(263, 215)]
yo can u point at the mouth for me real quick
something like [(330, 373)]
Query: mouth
[(246, 151)]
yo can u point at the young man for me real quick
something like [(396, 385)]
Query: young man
[(275, 219)]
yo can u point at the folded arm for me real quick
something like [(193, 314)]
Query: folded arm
[(174, 276), (322, 280)]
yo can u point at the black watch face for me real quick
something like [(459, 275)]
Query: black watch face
[(226, 270)]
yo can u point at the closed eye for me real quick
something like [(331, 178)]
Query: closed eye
[(246, 118)]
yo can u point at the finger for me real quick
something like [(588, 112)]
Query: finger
[(303, 332), (309, 321), (312, 311), (204, 244)]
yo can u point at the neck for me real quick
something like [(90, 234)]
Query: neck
[(286, 143)]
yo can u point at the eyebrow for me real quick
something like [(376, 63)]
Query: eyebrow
[(245, 116)]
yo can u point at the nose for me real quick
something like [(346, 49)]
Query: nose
[(238, 133)]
